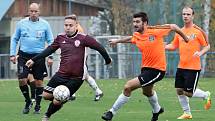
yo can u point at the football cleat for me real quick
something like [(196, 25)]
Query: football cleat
[(28, 106), (107, 116), (98, 97), (185, 116), (207, 105), (37, 109), (156, 115), (45, 118)]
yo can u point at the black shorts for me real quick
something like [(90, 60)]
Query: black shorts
[(187, 79), (45, 73), (73, 84), (149, 76), (37, 69)]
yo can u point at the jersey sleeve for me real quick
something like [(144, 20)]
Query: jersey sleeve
[(15, 38), (135, 37), (162, 32), (202, 40), (175, 41), (49, 35)]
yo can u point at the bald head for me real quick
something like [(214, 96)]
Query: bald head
[(34, 11)]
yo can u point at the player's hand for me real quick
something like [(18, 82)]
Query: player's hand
[(49, 61), (109, 61), (13, 59), (197, 54), (174, 26), (29, 63), (113, 42)]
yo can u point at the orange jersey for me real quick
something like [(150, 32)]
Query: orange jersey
[(187, 50), (151, 45)]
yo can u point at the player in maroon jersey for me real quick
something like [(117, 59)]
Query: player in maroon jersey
[(72, 68)]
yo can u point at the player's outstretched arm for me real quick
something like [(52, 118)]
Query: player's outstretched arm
[(113, 42), (175, 28), (48, 51)]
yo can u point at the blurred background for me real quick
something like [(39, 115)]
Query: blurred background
[(105, 19)]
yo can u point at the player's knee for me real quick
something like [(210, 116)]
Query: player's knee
[(179, 91), (188, 94), (47, 96), (23, 82), (38, 83), (127, 90), (148, 93)]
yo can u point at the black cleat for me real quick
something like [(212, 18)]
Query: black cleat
[(98, 97), (155, 115), (107, 116), (28, 106), (37, 109)]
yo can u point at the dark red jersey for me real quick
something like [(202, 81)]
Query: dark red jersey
[(73, 53)]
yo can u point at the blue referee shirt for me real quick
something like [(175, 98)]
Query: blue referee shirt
[(32, 36)]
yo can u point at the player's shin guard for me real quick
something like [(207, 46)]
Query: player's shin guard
[(52, 109), (25, 91)]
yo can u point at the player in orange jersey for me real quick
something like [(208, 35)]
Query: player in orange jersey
[(89, 79), (151, 44), (189, 67)]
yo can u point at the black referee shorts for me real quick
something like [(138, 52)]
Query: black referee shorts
[(37, 69)]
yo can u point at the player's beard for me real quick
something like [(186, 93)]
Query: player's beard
[(138, 29)]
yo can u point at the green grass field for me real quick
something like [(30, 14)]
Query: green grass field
[(85, 109)]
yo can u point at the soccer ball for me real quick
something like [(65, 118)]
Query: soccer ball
[(61, 93)]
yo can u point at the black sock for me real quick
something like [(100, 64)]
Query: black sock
[(33, 90), (52, 109), (25, 91), (39, 91)]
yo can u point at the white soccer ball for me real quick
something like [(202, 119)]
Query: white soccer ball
[(61, 93)]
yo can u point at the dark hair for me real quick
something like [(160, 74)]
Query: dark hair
[(73, 17), (142, 15)]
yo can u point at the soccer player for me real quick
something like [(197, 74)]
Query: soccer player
[(189, 67), (89, 79), (150, 42), (32, 32), (72, 68)]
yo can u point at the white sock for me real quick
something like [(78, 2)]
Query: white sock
[(184, 101), (121, 100), (93, 85), (200, 94), (153, 100)]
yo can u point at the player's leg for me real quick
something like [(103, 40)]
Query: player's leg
[(192, 77), (56, 80), (205, 95), (92, 83), (38, 71), (48, 95), (22, 76), (180, 84), (147, 79), (32, 87), (122, 99)]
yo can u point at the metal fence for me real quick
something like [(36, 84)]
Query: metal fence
[(126, 62)]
